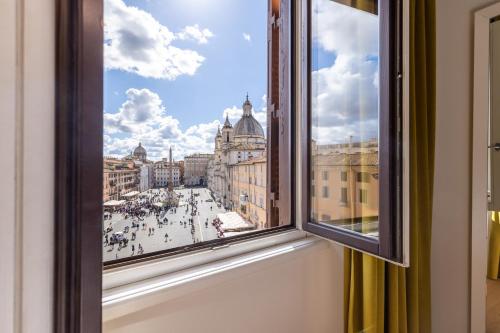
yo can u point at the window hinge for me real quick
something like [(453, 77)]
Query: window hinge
[(274, 201), (275, 113)]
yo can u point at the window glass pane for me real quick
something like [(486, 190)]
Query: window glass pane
[(185, 114), (345, 114)]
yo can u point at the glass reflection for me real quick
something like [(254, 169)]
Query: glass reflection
[(345, 115)]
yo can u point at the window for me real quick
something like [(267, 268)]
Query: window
[(353, 102), (181, 68), (343, 195), (363, 177), (363, 196), (313, 190), (325, 192), (343, 176)]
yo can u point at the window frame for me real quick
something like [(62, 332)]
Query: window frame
[(79, 160), (390, 245)]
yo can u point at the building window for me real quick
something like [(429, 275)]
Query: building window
[(325, 217), (343, 195), (343, 176), (325, 175), (363, 177), (313, 190), (359, 82), (363, 196), (325, 192)]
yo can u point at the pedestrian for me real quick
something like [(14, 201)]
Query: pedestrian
[(133, 249), (166, 237)]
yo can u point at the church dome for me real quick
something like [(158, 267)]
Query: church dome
[(248, 125), (140, 152)]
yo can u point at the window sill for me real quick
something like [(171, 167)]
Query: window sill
[(117, 301)]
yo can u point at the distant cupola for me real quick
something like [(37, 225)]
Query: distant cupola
[(140, 153), (227, 124), (247, 107), (248, 125)]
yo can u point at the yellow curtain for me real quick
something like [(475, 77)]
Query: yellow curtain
[(381, 297), (494, 246)]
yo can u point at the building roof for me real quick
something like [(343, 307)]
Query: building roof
[(248, 126), (139, 150), (344, 159), (227, 123)]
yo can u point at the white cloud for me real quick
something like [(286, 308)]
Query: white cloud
[(194, 32), (247, 37), (143, 118), (135, 42), (345, 95), (343, 29)]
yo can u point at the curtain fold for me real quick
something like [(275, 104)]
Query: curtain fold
[(494, 247), (378, 296)]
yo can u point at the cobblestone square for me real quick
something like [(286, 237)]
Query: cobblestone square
[(174, 233)]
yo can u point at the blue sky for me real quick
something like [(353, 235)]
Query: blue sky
[(233, 53), (344, 80)]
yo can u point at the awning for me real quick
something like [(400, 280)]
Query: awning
[(233, 221), (130, 194), (114, 203)]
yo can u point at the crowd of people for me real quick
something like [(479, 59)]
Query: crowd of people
[(150, 211)]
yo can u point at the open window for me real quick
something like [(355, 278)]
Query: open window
[(174, 134), (353, 179), (191, 117)]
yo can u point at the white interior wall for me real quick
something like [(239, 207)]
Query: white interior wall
[(27, 136), (452, 192), (292, 293), (451, 229)]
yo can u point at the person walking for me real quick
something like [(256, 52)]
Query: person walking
[(166, 237)]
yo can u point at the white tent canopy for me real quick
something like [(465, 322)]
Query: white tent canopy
[(114, 203), (130, 194), (233, 221)]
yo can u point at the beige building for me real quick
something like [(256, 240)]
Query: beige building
[(167, 172), (344, 183), (119, 177), (248, 190), (232, 146), (195, 169)]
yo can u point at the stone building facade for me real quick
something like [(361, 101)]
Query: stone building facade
[(195, 169), (345, 182), (167, 172), (249, 190), (119, 177), (233, 145)]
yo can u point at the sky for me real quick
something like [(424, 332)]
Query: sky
[(344, 79), (174, 69)]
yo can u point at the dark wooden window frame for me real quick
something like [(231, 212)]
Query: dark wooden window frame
[(79, 163), (390, 243)]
